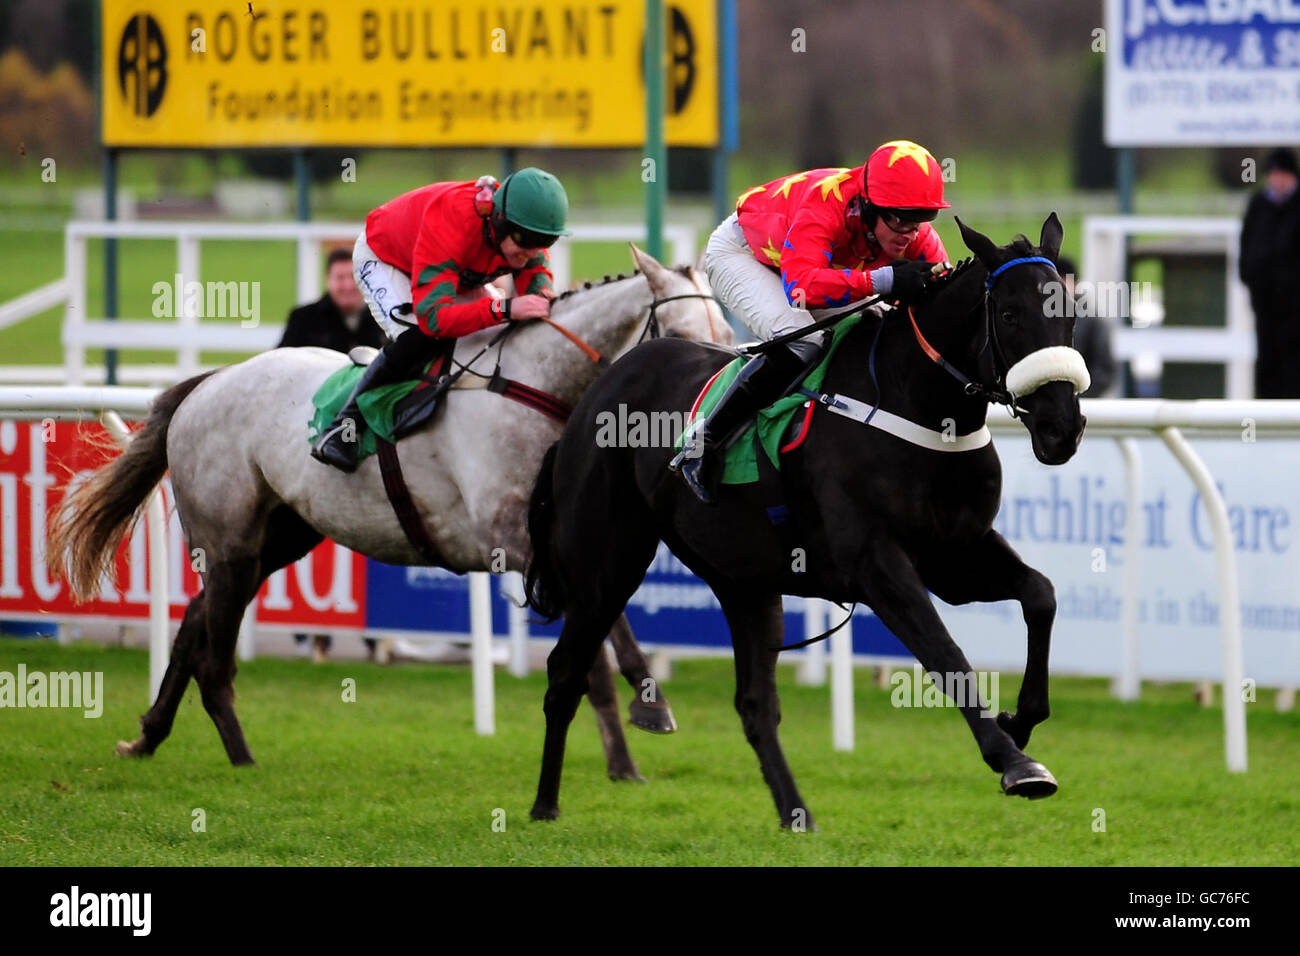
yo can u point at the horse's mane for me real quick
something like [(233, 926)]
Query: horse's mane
[(940, 282), (1019, 246), (586, 286)]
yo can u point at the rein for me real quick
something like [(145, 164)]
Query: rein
[(536, 398), (758, 348), (848, 616), (576, 339)]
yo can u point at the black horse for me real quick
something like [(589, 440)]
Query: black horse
[(872, 517)]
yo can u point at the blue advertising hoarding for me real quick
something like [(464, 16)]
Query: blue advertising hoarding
[(672, 608)]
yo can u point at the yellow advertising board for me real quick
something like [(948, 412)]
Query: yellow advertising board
[(204, 73)]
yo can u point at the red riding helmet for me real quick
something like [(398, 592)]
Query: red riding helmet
[(903, 178)]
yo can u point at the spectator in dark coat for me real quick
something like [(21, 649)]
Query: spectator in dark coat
[(1270, 268), (1091, 337), (338, 320)]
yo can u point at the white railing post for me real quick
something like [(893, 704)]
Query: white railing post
[(1129, 684), (842, 686), (512, 589), (480, 624), (74, 316), (1234, 708), (682, 239), (309, 269), (561, 265), (246, 643), (187, 266), (812, 665)]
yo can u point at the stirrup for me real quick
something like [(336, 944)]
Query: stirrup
[(331, 449), (692, 473), (692, 445)]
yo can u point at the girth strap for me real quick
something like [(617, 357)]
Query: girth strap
[(399, 496), (534, 398)]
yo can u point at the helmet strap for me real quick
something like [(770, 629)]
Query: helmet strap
[(500, 219), (869, 212)]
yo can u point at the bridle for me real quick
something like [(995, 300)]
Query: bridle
[(996, 393), (652, 329)]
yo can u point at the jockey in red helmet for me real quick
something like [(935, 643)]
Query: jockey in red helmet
[(424, 266), (800, 247)]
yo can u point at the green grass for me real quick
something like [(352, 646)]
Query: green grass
[(399, 777)]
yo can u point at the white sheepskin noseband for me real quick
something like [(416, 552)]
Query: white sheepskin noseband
[(1057, 363)]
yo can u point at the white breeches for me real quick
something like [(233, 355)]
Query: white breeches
[(386, 287), (751, 290)]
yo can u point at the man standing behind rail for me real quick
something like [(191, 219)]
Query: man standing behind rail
[(1270, 268)]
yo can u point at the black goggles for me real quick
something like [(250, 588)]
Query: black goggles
[(527, 239), (907, 220)]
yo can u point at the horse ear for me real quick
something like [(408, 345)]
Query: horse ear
[(984, 248), (1050, 241), (659, 276)]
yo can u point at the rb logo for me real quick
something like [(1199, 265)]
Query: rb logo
[(142, 64)]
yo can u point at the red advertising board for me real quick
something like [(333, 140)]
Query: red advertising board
[(325, 590)]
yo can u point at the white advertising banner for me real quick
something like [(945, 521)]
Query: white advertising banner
[(1202, 72), (1069, 523)]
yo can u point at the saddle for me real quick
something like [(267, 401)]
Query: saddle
[(778, 429), (394, 411), (416, 408)]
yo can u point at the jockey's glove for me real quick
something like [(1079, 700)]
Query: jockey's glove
[(909, 282)]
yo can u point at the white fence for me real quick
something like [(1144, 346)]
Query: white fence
[(187, 336), (1105, 259)]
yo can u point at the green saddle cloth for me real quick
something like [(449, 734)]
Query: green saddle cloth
[(740, 466), (377, 405)]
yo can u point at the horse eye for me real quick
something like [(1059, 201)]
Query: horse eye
[(1008, 318)]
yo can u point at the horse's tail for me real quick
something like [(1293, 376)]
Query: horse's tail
[(93, 519), (542, 587)]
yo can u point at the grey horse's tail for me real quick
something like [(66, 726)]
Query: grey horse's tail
[(94, 518), (543, 588)]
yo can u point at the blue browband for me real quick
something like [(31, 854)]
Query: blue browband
[(993, 276)]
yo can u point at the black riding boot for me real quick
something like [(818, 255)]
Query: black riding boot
[(763, 380), (339, 445)]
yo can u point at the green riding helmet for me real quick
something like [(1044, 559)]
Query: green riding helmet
[(531, 207)]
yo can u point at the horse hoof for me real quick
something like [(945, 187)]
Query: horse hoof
[(1030, 779), (130, 748), (653, 718), (631, 774), (540, 812)]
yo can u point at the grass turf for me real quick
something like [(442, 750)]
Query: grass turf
[(400, 777)]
